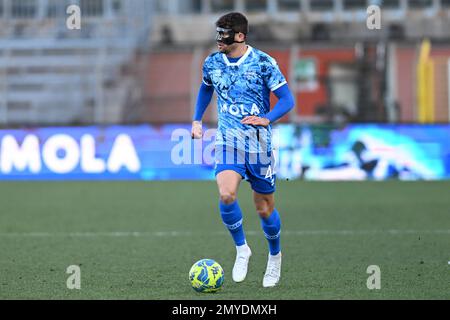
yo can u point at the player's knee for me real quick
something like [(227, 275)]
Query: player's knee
[(227, 197), (264, 210)]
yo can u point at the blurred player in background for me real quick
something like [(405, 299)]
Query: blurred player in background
[(243, 78)]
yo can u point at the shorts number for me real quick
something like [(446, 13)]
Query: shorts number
[(269, 173)]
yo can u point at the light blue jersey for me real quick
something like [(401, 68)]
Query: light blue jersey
[(243, 89)]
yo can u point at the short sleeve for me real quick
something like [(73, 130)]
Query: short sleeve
[(272, 75), (206, 77)]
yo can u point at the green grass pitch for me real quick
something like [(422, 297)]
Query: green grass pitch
[(138, 240)]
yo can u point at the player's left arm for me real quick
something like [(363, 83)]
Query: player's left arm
[(284, 105), (276, 82)]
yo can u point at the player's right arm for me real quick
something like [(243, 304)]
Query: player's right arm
[(203, 99)]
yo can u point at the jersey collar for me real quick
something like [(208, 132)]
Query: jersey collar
[(242, 59)]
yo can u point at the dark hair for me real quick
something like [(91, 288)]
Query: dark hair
[(235, 21)]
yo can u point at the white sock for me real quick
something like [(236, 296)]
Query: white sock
[(244, 249), (277, 256)]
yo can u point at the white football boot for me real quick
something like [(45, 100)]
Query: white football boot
[(273, 271), (243, 254)]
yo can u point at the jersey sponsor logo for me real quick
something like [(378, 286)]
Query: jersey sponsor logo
[(239, 110)]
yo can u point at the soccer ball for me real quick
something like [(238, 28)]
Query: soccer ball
[(206, 276)]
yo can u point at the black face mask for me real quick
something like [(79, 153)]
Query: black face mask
[(226, 36)]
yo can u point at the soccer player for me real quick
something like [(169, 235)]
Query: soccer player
[(243, 78)]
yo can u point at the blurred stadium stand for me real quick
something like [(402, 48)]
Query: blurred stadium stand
[(52, 75), (358, 74), (275, 20), (140, 60)]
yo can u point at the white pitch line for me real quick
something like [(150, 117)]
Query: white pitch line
[(137, 234), (98, 234), (364, 232)]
